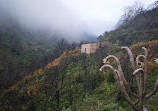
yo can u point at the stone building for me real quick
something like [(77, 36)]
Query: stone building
[(91, 48)]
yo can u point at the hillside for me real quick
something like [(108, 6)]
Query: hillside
[(73, 81), (143, 27), (23, 51), (47, 74)]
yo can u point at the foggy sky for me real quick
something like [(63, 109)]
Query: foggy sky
[(70, 18)]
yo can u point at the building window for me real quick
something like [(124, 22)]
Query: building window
[(85, 49)]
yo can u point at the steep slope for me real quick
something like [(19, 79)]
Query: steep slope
[(73, 82), (23, 51), (32, 76), (143, 27), (31, 85)]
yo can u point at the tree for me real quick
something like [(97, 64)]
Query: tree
[(141, 80), (131, 12)]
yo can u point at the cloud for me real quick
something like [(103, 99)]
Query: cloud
[(45, 14), (68, 18)]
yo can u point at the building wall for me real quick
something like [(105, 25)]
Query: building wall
[(92, 47), (89, 48), (85, 48)]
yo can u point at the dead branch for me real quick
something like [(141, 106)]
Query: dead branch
[(123, 85), (130, 57)]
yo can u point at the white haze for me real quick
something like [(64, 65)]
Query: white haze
[(71, 19)]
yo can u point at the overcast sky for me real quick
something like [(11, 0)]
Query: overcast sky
[(100, 15), (69, 17)]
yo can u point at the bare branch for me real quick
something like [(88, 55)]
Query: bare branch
[(120, 73), (130, 57), (146, 51), (115, 74), (142, 83), (145, 69), (112, 70), (138, 71), (120, 83), (119, 67), (138, 59)]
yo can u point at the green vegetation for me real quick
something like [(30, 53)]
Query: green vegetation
[(33, 80), (23, 51), (73, 82), (136, 25)]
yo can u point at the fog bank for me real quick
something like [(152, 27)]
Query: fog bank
[(71, 19)]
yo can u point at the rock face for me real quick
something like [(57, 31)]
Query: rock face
[(89, 48)]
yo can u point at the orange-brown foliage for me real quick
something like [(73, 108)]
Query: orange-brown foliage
[(33, 86), (152, 51)]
